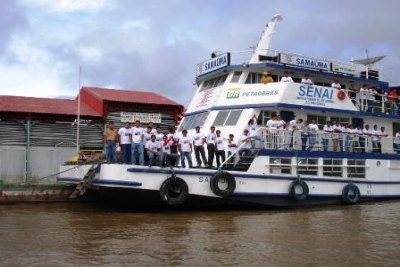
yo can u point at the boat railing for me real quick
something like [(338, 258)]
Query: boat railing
[(374, 102)]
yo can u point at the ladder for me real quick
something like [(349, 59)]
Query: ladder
[(86, 182)]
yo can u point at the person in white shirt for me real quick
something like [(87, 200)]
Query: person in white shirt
[(153, 129), (286, 78), (312, 138), (281, 130), (336, 131), (293, 126), (199, 139), (363, 98), (146, 137), (347, 130), (210, 140), (396, 143), (381, 135), (125, 142), (326, 135), (375, 139), (336, 84), (173, 140), (137, 143), (220, 148), (371, 99), (232, 147), (169, 158), (306, 80), (185, 147), (365, 134), (254, 132), (153, 149), (356, 139), (272, 126), (159, 135)]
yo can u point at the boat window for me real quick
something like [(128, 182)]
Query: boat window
[(236, 76), (221, 117), (396, 128), (320, 120), (214, 82), (233, 117), (307, 166), (333, 167), (355, 168), (340, 120), (280, 165), (191, 121), (253, 77)]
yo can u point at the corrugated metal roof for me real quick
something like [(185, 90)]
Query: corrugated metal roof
[(44, 106), (129, 96)]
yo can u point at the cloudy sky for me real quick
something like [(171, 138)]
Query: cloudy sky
[(153, 45)]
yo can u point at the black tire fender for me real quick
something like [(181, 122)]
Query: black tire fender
[(298, 190), (174, 191), (225, 177), (351, 194)]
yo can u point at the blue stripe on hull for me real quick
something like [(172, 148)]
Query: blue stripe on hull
[(327, 155), (258, 176)]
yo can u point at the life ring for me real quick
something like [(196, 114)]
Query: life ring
[(298, 190), (351, 194), (174, 191), (223, 184), (341, 95)]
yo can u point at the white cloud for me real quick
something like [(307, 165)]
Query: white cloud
[(67, 5)]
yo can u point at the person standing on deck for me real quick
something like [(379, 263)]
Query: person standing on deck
[(306, 80), (336, 130), (364, 98), (286, 78), (381, 134), (393, 98), (291, 128), (199, 140), (326, 135), (254, 131), (375, 139), (304, 133), (159, 135), (313, 132), (371, 99), (336, 84), (220, 148), (125, 137), (110, 142), (185, 147), (137, 143), (232, 147), (266, 78), (365, 134), (210, 140)]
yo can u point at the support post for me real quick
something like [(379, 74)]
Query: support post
[(28, 127)]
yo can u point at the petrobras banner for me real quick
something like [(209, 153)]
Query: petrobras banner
[(306, 62), (213, 64), (344, 68)]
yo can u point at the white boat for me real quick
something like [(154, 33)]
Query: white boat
[(276, 170)]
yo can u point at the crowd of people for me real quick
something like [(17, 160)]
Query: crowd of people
[(150, 146)]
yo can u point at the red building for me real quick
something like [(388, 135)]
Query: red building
[(39, 134)]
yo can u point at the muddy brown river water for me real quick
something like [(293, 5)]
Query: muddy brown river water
[(93, 235)]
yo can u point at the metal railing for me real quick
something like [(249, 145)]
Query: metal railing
[(283, 139)]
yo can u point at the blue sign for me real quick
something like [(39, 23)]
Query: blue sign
[(213, 64)]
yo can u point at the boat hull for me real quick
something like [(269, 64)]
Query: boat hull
[(137, 186)]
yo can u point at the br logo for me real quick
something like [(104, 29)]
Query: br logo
[(233, 93)]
